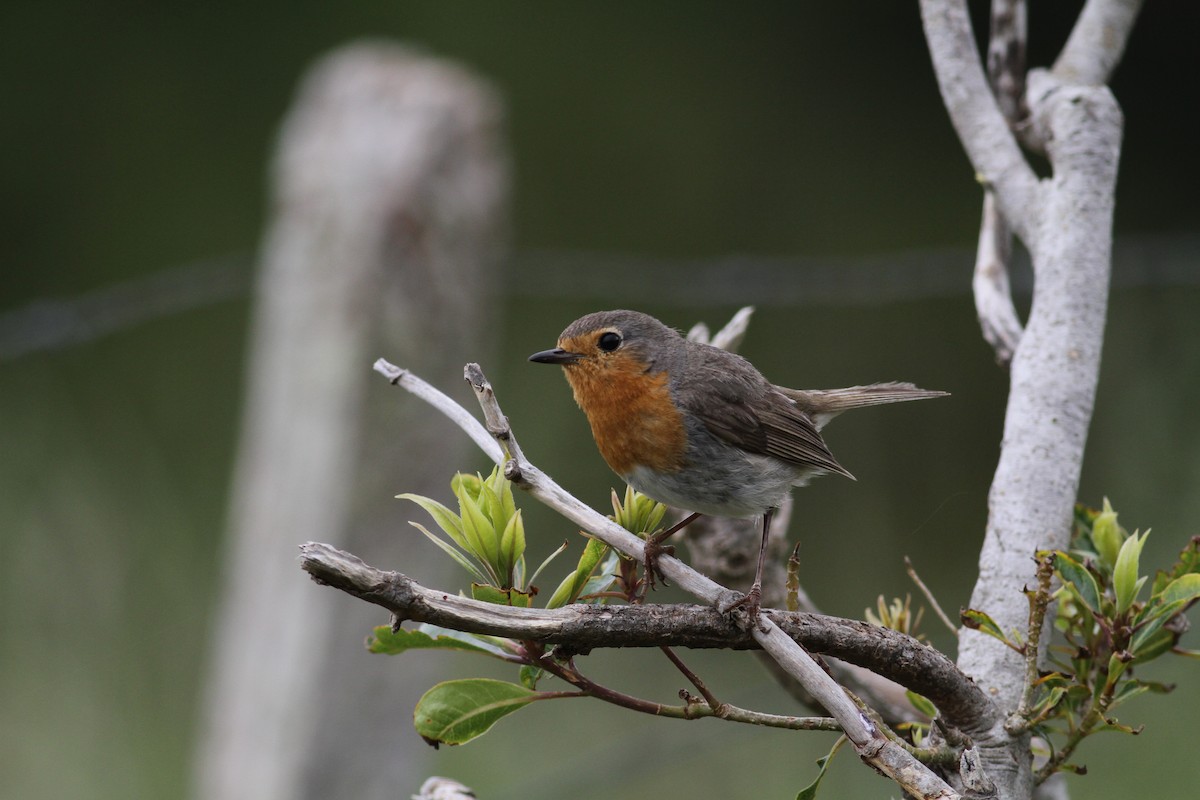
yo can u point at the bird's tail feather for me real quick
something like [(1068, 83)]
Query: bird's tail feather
[(825, 404)]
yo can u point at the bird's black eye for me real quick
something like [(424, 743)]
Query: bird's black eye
[(609, 341)]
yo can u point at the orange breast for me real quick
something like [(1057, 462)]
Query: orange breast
[(633, 419)]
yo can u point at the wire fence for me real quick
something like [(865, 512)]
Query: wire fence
[(1142, 261)]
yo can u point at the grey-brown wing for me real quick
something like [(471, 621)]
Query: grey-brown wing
[(739, 406)]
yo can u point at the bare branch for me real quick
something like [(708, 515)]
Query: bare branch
[(976, 115), (1039, 602), (1097, 41), (728, 338), (1006, 57), (998, 318), (929, 598), (436, 788), (439, 400), (581, 628)]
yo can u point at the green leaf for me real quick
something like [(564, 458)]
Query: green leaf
[(1074, 573), (530, 676), (1161, 580), (462, 560), (386, 642), (571, 587), (980, 621), (446, 519), (1151, 620), (1113, 725), (1132, 688), (1116, 667), (512, 542), (810, 792), (490, 504), (484, 544), (1151, 642), (486, 593), (465, 482), (1107, 535), (1051, 699), (502, 597), (921, 703), (618, 509), (655, 517), (1125, 574), (1183, 589), (456, 712)]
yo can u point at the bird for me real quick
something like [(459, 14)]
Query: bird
[(699, 428)]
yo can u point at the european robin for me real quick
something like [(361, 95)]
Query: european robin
[(697, 427)]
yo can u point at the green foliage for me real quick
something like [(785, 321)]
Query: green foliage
[(1106, 630), (455, 712), (486, 537), (982, 622), (897, 615), (637, 513), (1107, 535), (390, 642), (573, 585)]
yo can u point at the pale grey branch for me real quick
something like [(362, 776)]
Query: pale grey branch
[(998, 318), (977, 117), (439, 400), (1097, 41)]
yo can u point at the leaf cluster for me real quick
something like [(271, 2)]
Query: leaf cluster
[(1106, 629), (487, 539)]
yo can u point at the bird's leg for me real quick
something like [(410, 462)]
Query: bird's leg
[(654, 548), (751, 601)]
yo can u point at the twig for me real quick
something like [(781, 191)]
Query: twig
[(589, 688), (439, 400), (715, 704), (1039, 602), (929, 598)]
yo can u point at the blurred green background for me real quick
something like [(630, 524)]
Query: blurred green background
[(793, 141)]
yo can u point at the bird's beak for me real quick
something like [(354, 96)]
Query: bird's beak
[(555, 356)]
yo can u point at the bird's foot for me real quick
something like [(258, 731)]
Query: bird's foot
[(750, 604), (653, 550)]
